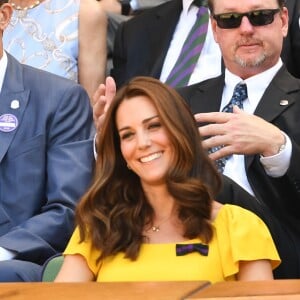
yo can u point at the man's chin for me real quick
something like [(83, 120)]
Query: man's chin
[(250, 61)]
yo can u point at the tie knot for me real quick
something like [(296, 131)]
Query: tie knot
[(240, 91), (239, 95)]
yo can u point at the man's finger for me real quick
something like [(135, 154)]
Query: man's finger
[(111, 89), (212, 130), (212, 117), (98, 93), (99, 107)]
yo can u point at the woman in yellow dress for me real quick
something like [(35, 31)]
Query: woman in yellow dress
[(150, 213)]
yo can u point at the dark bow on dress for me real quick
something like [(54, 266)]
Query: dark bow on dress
[(183, 249)]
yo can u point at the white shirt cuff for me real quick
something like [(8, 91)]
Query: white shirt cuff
[(6, 254), (278, 164), (94, 147)]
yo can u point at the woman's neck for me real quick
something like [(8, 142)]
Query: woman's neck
[(165, 226), (160, 200)]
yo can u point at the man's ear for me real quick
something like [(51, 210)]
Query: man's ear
[(214, 28), (285, 21), (6, 11)]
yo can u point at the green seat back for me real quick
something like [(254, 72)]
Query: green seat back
[(52, 267)]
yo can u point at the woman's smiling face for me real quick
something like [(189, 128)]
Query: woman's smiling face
[(145, 144)]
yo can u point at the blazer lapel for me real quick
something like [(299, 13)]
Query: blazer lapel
[(13, 99), (161, 32), (278, 97), (204, 96)]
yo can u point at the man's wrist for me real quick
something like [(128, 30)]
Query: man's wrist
[(282, 146), (275, 148), (278, 164)]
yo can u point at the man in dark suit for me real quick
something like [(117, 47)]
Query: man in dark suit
[(263, 141), (142, 44), (45, 162), (119, 11), (146, 44)]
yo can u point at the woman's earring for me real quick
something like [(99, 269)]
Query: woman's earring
[(128, 167)]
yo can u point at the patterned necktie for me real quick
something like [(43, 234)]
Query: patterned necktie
[(183, 249), (190, 52), (239, 95)]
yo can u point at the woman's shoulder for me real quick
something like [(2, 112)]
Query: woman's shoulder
[(230, 213), (216, 207), (242, 236)]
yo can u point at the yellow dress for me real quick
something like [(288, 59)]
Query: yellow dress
[(239, 235)]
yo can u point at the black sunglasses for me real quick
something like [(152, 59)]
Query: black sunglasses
[(256, 18)]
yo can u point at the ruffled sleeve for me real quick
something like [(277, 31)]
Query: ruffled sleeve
[(242, 236), (85, 249)]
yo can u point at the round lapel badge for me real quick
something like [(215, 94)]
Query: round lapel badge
[(8, 123), (15, 104)]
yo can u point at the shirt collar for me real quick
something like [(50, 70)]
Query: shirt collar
[(187, 5), (255, 84), (3, 66)]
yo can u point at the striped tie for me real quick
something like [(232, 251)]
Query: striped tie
[(190, 52), (239, 95)]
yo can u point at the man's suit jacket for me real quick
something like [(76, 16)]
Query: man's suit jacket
[(279, 197), (142, 43), (115, 19), (46, 160)]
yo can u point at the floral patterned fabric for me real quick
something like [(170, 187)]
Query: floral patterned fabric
[(46, 37)]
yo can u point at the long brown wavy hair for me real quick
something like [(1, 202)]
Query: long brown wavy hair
[(114, 211)]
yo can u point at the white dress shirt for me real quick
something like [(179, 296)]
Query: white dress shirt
[(275, 166), (209, 62)]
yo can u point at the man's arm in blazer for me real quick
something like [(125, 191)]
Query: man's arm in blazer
[(51, 170), (281, 193)]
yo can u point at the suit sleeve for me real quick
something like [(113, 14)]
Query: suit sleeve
[(293, 181), (64, 174)]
